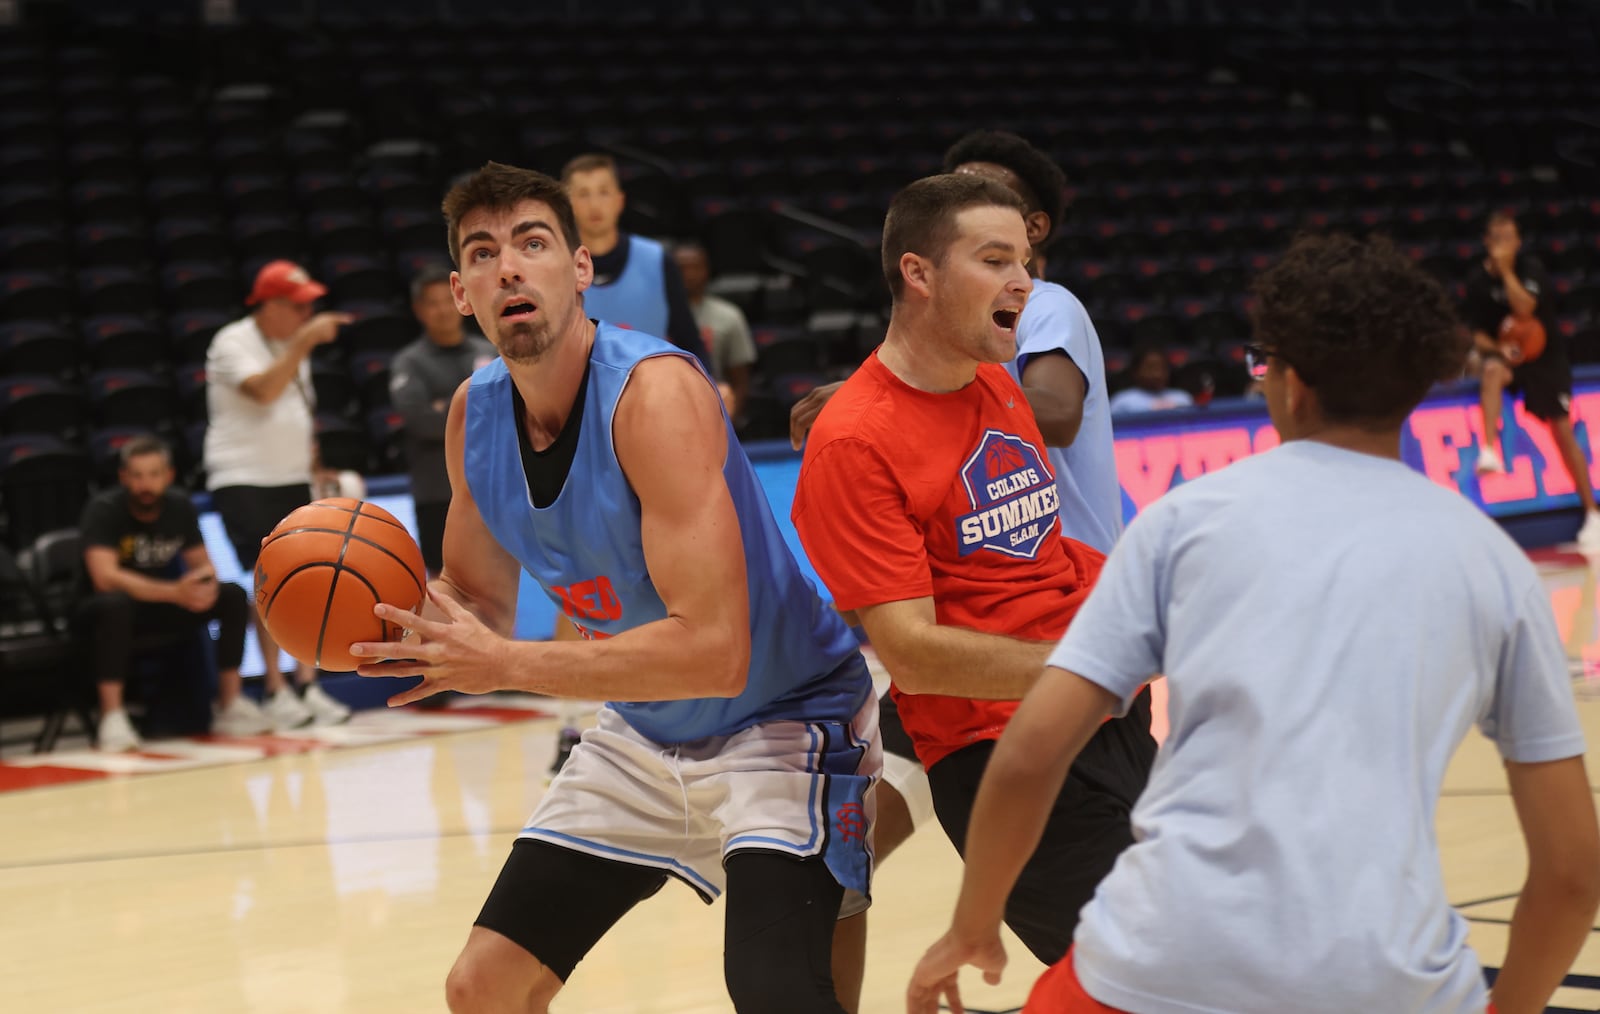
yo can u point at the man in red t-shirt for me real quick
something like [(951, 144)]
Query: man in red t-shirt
[(928, 506)]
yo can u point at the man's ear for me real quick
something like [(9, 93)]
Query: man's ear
[(917, 272)]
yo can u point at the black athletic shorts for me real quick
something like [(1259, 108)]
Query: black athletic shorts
[(895, 738), (1545, 386), (250, 512), (1088, 828)]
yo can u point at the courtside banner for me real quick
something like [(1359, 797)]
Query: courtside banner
[(1157, 452)]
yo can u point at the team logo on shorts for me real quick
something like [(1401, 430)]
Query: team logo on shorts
[(1013, 496), (850, 820)]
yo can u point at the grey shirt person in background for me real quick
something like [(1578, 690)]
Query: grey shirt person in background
[(723, 328), (422, 378)]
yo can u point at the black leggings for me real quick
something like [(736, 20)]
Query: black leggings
[(116, 625), (556, 903)]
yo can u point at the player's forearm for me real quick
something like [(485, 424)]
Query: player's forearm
[(667, 660), (957, 662), (138, 587), (268, 385), (1553, 918), (1521, 301)]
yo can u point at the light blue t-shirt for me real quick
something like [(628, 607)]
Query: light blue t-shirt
[(1331, 624), (1137, 399), (1086, 473)]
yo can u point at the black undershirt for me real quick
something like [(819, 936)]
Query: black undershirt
[(547, 470)]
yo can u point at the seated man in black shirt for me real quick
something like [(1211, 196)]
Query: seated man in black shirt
[(1511, 287), (151, 574)]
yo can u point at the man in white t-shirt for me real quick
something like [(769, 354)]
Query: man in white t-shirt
[(1331, 624), (260, 447)]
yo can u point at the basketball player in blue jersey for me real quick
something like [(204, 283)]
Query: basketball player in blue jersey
[(739, 747), (1061, 369), (636, 285)]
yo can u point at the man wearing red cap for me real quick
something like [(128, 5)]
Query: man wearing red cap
[(261, 452)]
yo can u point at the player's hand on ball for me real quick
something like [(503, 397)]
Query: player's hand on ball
[(936, 976), (457, 653)]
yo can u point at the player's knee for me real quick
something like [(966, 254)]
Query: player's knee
[(475, 985), (764, 980)]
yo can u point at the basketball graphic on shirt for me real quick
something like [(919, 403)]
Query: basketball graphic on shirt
[(1015, 502), (1000, 457)]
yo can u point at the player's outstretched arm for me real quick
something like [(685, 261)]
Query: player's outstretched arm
[(1555, 912), (1020, 784)]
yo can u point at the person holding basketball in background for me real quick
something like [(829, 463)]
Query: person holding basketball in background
[(740, 746), (927, 504), (1331, 624), (1508, 297)]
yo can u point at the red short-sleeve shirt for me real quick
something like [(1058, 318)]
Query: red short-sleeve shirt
[(905, 494)]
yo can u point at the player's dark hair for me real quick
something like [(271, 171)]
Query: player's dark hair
[(922, 218), (1045, 182), (1365, 328), (498, 187)]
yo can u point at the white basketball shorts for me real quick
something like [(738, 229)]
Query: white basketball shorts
[(801, 788)]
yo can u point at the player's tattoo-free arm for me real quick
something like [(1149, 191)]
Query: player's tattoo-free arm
[(1055, 389), (926, 657), (1556, 908), (671, 442)]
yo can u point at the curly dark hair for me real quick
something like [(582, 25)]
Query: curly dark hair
[(1046, 183), (1366, 328)]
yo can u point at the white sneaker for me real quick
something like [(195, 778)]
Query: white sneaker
[(286, 711), (1489, 461), (242, 717), (116, 733), (1589, 534), (324, 709)]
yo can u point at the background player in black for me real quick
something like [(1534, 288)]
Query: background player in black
[(1512, 284), (151, 575)]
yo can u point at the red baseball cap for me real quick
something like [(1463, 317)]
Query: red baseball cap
[(285, 280)]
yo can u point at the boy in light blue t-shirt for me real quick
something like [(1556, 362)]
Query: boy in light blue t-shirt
[(1331, 624)]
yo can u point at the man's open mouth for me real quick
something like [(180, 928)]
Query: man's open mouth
[(1007, 319), (517, 307)]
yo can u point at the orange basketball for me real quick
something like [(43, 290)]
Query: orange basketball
[(1521, 341), (322, 570)]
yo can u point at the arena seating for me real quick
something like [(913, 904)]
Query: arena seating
[(148, 168)]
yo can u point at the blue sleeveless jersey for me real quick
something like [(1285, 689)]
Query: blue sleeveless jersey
[(636, 299), (585, 551)]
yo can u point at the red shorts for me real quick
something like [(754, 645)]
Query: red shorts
[(1058, 991)]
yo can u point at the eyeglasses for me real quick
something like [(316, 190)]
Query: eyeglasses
[(1255, 360)]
